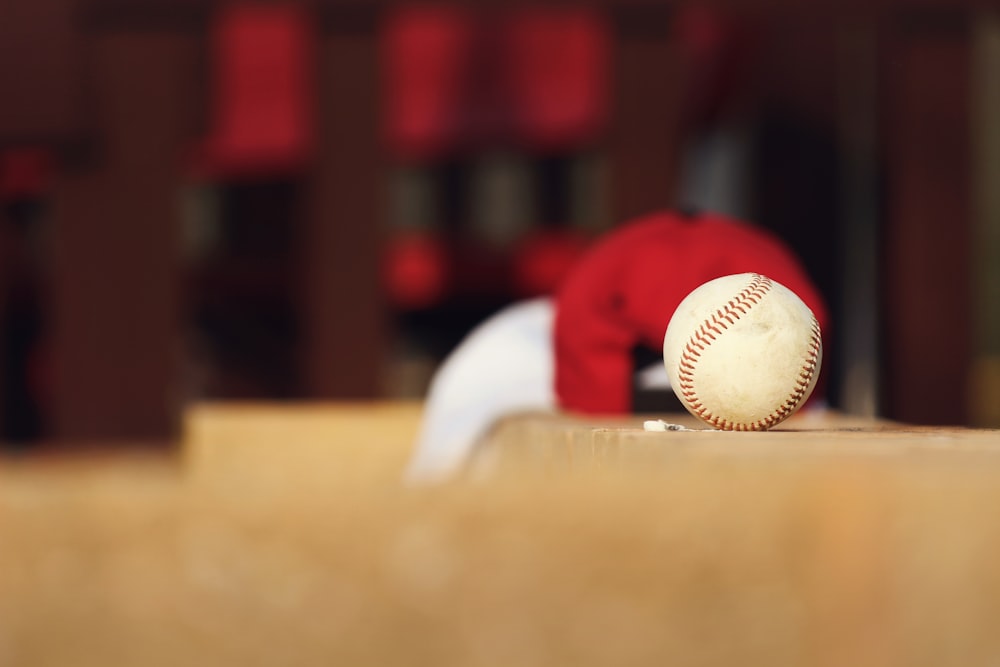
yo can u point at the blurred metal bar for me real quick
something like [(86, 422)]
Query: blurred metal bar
[(985, 388), (857, 313)]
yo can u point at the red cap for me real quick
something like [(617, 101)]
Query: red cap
[(623, 292)]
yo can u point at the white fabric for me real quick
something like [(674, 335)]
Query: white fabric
[(505, 365), (653, 377)]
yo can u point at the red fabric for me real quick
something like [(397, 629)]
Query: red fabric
[(457, 80), (543, 259), (426, 55), (263, 93), (717, 53), (415, 270), (624, 291), (557, 73)]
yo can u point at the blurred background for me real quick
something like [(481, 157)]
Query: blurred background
[(317, 200)]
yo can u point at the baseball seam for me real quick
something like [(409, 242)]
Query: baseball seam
[(713, 327)]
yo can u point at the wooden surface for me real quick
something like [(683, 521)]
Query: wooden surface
[(554, 443), (283, 535)]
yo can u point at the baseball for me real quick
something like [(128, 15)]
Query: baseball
[(743, 352)]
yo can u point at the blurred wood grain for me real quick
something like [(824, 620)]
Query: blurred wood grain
[(282, 534)]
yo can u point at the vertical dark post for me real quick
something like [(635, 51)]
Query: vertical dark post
[(39, 64), (114, 286), (985, 387), (857, 314), (6, 255), (645, 142), (343, 313), (927, 253), (39, 106)]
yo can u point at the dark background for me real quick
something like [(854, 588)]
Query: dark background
[(317, 200)]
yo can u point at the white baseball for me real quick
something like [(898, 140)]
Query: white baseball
[(743, 352)]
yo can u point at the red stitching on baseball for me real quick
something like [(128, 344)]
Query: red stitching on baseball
[(734, 310)]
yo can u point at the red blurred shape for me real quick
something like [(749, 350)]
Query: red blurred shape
[(24, 173), (415, 271), (718, 52), (426, 59), (557, 72), (544, 258), (262, 92)]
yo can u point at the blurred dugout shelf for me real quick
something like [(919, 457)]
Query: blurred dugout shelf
[(305, 200)]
